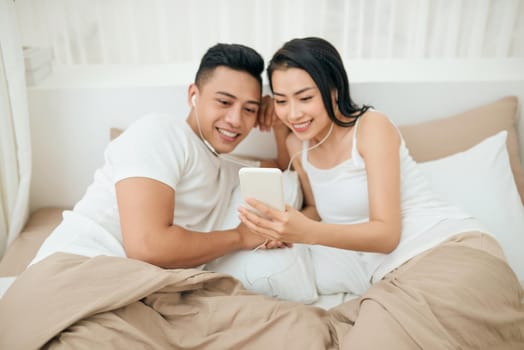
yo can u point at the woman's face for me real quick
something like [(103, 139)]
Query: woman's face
[(298, 103)]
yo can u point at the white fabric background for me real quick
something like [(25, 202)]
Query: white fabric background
[(15, 144), (174, 31)]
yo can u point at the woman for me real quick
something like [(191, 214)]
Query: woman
[(438, 279)]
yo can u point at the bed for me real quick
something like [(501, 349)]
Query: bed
[(472, 156)]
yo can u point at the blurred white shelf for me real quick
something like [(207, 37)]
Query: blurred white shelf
[(100, 76), (35, 76), (36, 57)]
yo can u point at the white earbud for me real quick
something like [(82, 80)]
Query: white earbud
[(193, 100)]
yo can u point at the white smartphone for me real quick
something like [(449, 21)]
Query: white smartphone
[(263, 184)]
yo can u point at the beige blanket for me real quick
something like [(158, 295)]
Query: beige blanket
[(73, 302)]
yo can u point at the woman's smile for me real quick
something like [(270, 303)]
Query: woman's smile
[(301, 127)]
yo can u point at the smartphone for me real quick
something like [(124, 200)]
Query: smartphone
[(263, 184)]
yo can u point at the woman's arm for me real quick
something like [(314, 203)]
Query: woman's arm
[(379, 145), (146, 210)]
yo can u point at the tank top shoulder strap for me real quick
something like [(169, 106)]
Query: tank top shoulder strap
[(305, 146), (357, 158)]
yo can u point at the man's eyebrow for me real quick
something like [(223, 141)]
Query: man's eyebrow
[(227, 94), (296, 93)]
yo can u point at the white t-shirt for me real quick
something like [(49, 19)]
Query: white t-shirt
[(158, 147)]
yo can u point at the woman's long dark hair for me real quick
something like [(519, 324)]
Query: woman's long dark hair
[(323, 63)]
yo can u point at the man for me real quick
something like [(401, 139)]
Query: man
[(165, 185)]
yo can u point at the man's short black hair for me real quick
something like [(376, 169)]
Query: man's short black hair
[(234, 56)]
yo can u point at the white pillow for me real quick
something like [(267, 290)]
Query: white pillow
[(282, 273), (479, 180)]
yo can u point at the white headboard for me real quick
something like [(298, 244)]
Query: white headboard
[(71, 112)]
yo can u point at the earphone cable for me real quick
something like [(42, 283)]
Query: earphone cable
[(310, 148)]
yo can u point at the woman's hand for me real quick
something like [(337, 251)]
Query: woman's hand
[(266, 114), (268, 119), (288, 226)]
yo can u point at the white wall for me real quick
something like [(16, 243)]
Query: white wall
[(71, 112)]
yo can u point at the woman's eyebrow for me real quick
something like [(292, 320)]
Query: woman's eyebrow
[(296, 93)]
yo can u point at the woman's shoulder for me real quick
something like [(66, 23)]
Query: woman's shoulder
[(372, 116), (373, 120), (375, 125)]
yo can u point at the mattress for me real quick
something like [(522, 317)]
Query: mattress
[(24, 248)]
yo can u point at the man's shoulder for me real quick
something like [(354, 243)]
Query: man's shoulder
[(158, 124), (156, 120), (155, 131)]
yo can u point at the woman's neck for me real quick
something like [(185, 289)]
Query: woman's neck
[(332, 137)]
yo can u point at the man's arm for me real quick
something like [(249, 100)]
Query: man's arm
[(146, 208)]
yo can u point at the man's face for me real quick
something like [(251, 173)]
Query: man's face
[(226, 106)]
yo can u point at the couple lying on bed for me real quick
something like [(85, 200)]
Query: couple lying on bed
[(166, 185)]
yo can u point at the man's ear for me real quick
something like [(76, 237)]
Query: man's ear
[(192, 93)]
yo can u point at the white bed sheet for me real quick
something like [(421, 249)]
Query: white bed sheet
[(5, 283), (327, 301)]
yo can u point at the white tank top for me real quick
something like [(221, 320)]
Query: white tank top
[(341, 197)]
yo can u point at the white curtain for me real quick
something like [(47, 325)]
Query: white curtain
[(174, 31), (15, 147)]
